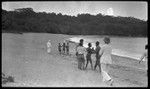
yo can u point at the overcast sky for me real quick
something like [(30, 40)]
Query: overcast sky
[(137, 9)]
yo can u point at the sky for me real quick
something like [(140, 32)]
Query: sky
[(136, 9)]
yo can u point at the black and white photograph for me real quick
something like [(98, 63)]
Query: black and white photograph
[(74, 44)]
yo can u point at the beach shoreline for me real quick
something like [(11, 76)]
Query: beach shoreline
[(22, 54), (124, 47)]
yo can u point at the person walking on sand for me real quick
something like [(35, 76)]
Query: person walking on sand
[(88, 55), (81, 56), (49, 46), (67, 48), (97, 49), (64, 48), (145, 57), (105, 53), (59, 48)]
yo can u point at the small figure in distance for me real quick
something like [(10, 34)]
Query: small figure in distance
[(49, 46), (64, 48), (67, 48), (59, 48)]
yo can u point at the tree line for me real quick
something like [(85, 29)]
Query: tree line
[(26, 20)]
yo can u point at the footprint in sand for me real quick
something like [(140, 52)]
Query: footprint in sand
[(133, 82), (124, 68), (137, 83), (115, 76)]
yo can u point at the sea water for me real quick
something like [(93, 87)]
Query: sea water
[(132, 47)]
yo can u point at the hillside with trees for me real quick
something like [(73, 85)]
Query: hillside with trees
[(26, 20)]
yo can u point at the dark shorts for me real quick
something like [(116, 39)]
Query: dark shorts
[(80, 58), (88, 57)]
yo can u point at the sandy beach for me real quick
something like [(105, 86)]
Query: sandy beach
[(24, 56)]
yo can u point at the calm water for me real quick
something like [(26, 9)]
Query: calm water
[(122, 46)]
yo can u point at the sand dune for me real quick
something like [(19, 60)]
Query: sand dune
[(24, 57)]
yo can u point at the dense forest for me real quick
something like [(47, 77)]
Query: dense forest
[(26, 20)]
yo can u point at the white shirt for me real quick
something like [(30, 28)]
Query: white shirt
[(106, 54), (48, 44), (81, 50)]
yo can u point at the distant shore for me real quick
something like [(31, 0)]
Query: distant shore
[(16, 32)]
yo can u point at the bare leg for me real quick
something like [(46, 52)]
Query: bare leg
[(87, 64), (105, 75), (99, 67), (83, 64), (95, 65), (79, 63), (91, 64)]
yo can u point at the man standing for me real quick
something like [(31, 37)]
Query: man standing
[(80, 51), (49, 46), (81, 56), (59, 48), (97, 49), (64, 48), (88, 56), (67, 48)]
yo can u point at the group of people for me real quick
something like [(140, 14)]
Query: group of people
[(102, 54), (63, 48), (103, 57), (89, 51)]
